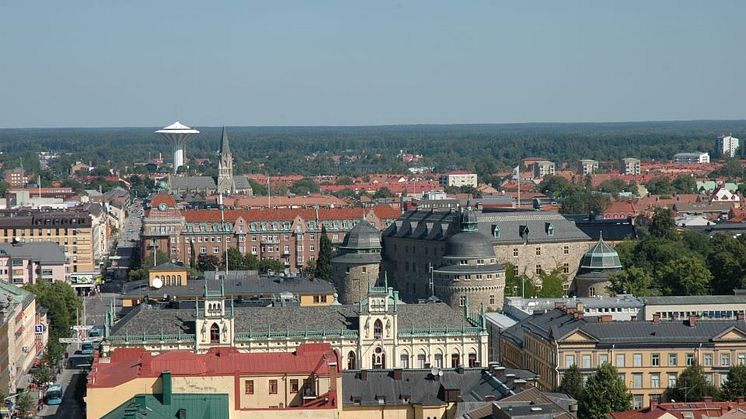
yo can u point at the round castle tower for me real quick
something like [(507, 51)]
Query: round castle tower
[(470, 270), (595, 267), (357, 268)]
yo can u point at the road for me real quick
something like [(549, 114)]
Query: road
[(69, 378), (129, 240)]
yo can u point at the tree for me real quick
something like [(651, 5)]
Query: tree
[(551, 284), (660, 185), (684, 276), (324, 261), (208, 263), (383, 193), (735, 386), (63, 305), (632, 280), (553, 185), (572, 383), (612, 186), (42, 374), (266, 265), (24, 404), (663, 225), (603, 393), (518, 285), (691, 386), (304, 186), (236, 261), (684, 184)]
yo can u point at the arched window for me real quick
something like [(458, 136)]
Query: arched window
[(379, 359), (351, 364), (455, 360), (214, 333), (472, 360), (377, 329)]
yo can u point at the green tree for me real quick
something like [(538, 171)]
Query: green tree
[(236, 261), (632, 280), (551, 284), (612, 186), (684, 184), (24, 405), (518, 285), (266, 265), (603, 393), (42, 374), (208, 263), (735, 386), (572, 383), (663, 225), (383, 193), (660, 185), (63, 306), (691, 386), (684, 276), (553, 185), (324, 261), (304, 186)]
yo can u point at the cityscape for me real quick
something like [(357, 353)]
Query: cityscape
[(342, 211)]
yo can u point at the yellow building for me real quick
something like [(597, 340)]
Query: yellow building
[(649, 355), (221, 383), (168, 274), (72, 230)]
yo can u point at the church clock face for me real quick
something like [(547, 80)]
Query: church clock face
[(162, 206)]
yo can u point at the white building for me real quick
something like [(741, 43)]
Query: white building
[(726, 146), (459, 178), (543, 168), (623, 307), (587, 166), (630, 166), (697, 157)]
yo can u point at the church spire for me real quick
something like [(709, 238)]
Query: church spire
[(224, 146)]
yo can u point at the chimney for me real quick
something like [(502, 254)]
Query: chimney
[(489, 398), (578, 315), (559, 304), (509, 379), (740, 315), (497, 371), (520, 385), (653, 403), (396, 374), (166, 387), (606, 318), (656, 318), (364, 375), (692, 321)]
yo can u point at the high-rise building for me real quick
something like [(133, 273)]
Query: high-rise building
[(630, 167), (588, 166), (726, 146)]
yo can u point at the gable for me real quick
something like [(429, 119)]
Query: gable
[(731, 334), (577, 335)]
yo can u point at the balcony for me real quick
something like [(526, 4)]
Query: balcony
[(270, 240)]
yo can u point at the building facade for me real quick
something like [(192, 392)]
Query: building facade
[(698, 157), (588, 167), (290, 236), (31, 263), (544, 168), (381, 332), (597, 265), (72, 230), (727, 146), (630, 167), (458, 178), (356, 269), (649, 355), (18, 316)]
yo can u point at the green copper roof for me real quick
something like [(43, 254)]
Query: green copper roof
[(199, 406), (601, 256), (469, 219)]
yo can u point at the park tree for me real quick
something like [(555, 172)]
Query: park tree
[(383, 193), (632, 280), (208, 263), (304, 186), (691, 386), (63, 305), (572, 383), (663, 225), (735, 386), (604, 392), (551, 284), (684, 276), (324, 261), (518, 285)]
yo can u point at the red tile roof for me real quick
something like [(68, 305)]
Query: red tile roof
[(699, 410), (163, 198), (287, 214), (127, 364)]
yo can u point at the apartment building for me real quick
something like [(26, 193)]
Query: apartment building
[(458, 178), (16, 178), (31, 263), (727, 146), (289, 235), (544, 168), (72, 230), (630, 167), (18, 346), (588, 167), (649, 355), (701, 158)]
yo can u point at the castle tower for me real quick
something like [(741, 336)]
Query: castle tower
[(214, 323), (177, 134), (470, 270), (357, 268), (595, 267), (225, 166)]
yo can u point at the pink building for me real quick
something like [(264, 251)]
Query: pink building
[(29, 263)]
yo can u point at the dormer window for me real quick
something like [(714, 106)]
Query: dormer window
[(550, 229), (495, 231)]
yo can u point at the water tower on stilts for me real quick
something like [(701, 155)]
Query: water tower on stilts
[(177, 134)]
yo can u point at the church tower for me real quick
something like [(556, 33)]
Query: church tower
[(225, 166), (214, 321)]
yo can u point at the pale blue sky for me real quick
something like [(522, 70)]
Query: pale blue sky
[(148, 63)]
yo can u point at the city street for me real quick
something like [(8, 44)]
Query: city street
[(128, 242), (69, 378)]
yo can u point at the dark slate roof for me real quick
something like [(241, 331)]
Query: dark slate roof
[(363, 236), (439, 225), (46, 253), (224, 145), (469, 245), (612, 230), (145, 319), (192, 182), (556, 324), (695, 299), (168, 266), (418, 386)]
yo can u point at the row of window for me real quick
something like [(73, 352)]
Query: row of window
[(586, 361), (272, 386), (462, 300), (565, 250)]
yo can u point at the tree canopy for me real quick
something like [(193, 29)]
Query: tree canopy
[(603, 393)]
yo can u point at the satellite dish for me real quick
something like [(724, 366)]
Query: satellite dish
[(157, 283), (434, 372)]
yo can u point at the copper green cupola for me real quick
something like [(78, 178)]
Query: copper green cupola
[(469, 219)]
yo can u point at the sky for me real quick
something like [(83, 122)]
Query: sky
[(280, 62)]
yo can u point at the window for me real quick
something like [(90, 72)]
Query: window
[(492, 299), (272, 386), (351, 364), (421, 360), (725, 360), (462, 301), (636, 380), (603, 359), (637, 360), (586, 361), (515, 252), (637, 401), (619, 360), (741, 358), (673, 360), (538, 269), (377, 329), (203, 250), (538, 251), (690, 359), (439, 360), (655, 360), (214, 333), (707, 360), (566, 250), (569, 361), (455, 360), (249, 387), (655, 380), (566, 268), (515, 270), (404, 361), (672, 377), (293, 386)]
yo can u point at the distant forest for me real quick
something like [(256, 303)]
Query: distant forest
[(284, 150)]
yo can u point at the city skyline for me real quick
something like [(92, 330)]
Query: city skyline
[(341, 64)]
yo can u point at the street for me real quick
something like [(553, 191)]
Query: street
[(69, 378)]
